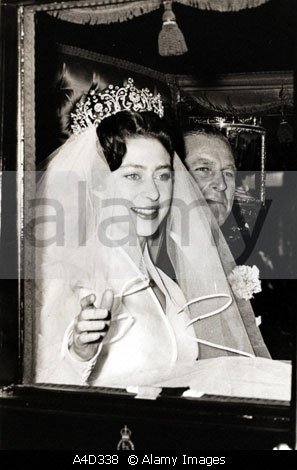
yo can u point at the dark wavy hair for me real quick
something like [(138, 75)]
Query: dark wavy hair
[(114, 131)]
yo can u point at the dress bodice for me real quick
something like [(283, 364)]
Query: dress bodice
[(145, 342)]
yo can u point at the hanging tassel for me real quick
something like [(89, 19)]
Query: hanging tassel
[(171, 40)]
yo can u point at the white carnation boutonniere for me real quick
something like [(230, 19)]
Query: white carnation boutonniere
[(245, 281)]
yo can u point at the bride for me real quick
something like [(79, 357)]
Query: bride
[(123, 202)]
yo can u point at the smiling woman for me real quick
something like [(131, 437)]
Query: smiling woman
[(132, 199), (143, 178)]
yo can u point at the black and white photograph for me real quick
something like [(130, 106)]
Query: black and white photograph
[(148, 227)]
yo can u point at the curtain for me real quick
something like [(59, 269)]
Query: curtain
[(105, 11), (113, 11), (238, 103), (223, 5)]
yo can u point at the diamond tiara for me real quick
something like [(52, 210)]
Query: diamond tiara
[(96, 106)]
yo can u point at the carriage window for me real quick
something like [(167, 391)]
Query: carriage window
[(157, 226)]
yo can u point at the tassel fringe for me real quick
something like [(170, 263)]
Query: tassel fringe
[(223, 5), (110, 12), (171, 40), (106, 14)]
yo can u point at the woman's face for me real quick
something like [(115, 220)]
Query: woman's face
[(144, 182)]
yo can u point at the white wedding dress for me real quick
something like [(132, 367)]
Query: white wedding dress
[(147, 346)]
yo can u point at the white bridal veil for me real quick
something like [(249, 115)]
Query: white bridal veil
[(202, 262)]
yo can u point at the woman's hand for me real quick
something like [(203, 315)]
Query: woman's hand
[(91, 325)]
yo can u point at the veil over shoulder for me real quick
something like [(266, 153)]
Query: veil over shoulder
[(202, 263)]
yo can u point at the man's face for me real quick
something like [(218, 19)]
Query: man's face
[(211, 162)]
